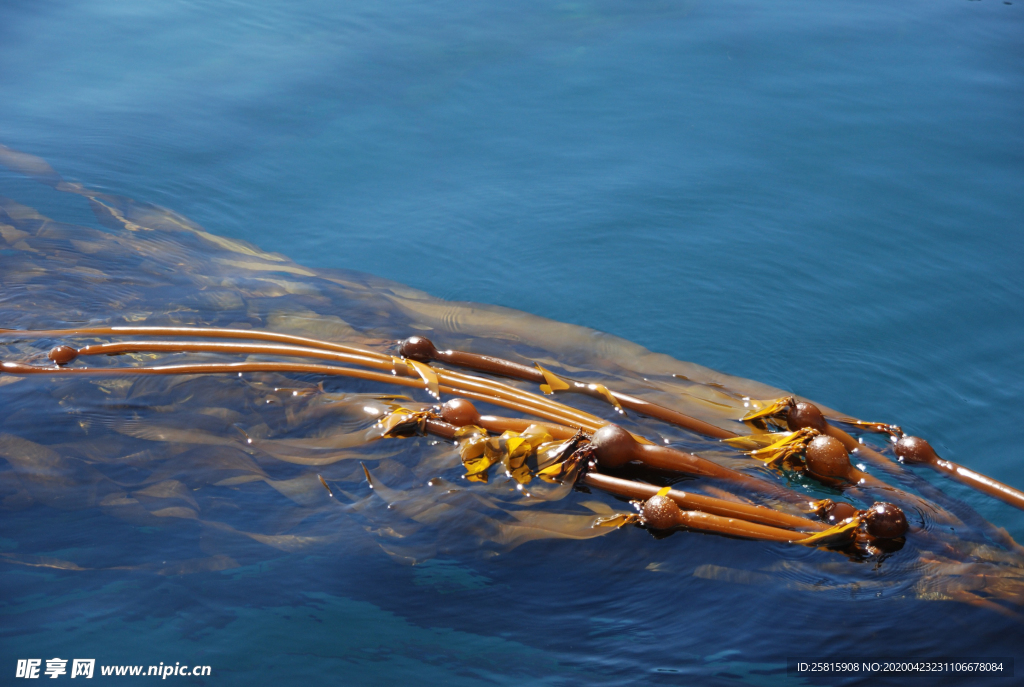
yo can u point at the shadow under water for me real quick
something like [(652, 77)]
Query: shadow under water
[(111, 480)]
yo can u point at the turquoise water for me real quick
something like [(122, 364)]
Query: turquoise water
[(825, 198)]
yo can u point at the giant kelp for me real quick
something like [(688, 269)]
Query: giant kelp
[(293, 458)]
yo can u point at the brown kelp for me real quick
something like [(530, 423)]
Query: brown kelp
[(158, 374)]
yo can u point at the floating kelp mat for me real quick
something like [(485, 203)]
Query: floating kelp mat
[(171, 475)]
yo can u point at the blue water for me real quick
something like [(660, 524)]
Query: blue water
[(824, 197)]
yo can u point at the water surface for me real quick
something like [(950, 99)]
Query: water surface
[(825, 199)]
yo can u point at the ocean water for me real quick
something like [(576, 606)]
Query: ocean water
[(824, 198)]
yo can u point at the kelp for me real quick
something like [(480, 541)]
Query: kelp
[(291, 456)]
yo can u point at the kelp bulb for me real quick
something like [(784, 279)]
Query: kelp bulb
[(915, 450), (613, 446), (826, 457), (885, 521), (662, 513), (460, 412), (805, 415), (62, 355), (418, 348)]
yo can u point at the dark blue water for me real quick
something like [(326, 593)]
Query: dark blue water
[(825, 197)]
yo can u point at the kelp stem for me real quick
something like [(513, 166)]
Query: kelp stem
[(980, 482), (299, 368), (238, 349), (527, 399), (485, 389), (422, 349), (213, 368), (917, 451), (853, 445), (211, 332), (706, 522), (708, 504)]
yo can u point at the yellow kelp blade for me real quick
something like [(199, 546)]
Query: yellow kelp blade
[(568, 464), (819, 508), (428, 376), (894, 431), (538, 524), (791, 444), (617, 520), (752, 441), (520, 446), (404, 422), (559, 471), (838, 534), (520, 474), (603, 390), (517, 449), (324, 483), (479, 453), (764, 409), (554, 382)]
